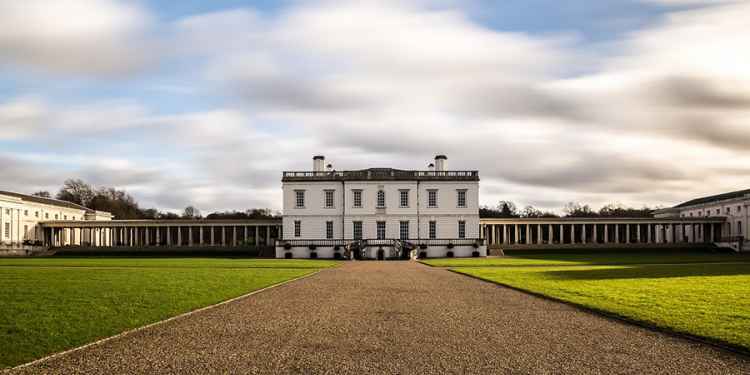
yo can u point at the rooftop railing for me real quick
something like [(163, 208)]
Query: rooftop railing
[(385, 174)]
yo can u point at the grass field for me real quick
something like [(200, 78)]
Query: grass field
[(53, 304), (704, 295)]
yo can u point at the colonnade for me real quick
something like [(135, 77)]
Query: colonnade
[(647, 231), (103, 234)]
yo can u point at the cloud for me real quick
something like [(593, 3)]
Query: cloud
[(80, 37)]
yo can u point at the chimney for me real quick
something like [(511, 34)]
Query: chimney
[(441, 163), (329, 167), (318, 163), (431, 167)]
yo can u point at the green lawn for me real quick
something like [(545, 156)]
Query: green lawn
[(53, 304), (675, 292)]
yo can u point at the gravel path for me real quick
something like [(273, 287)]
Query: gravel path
[(394, 317)]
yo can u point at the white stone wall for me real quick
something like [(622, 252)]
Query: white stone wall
[(737, 212)]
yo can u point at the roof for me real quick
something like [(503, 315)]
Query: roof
[(715, 198), (48, 201), (380, 174)]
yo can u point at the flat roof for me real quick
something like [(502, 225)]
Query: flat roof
[(156, 223), (47, 201), (601, 220), (380, 174)]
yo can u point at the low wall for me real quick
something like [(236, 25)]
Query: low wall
[(23, 251), (459, 251), (247, 251)]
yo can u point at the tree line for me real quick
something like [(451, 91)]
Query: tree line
[(508, 209), (123, 206)]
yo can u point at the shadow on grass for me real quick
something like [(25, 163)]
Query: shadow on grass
[(653, 272)]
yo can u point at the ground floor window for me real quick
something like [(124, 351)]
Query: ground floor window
[(357, 230), (403, 230), (329, 230), (433, 230), (297, 228), (380, 230), (461, 229), (739, 228), (7, 230)]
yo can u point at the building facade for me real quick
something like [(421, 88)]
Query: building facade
[(381, 209), (21, 215), (732, 207)]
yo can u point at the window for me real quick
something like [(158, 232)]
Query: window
[(25, 230), (691, 214), (74, 217), (718, 211), (461, 198), (56, 216), (7, 211), (403, 230), (297, 228), (299, 197), (461, 229), (7, 230), (433, 230), (739, 227), (381, 199), (36, 213), (739, 209), (329, 230), (357, 198), (728, 210), (380, 230), (357, 230), (65, 217), (431, 198), (46, 215), (25, 212), (329, 198), (404, 198)]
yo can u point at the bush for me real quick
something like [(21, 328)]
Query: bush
[(337, 255), (475, 254), (313, 255), (422, 255), (449, 254), (288, 255)]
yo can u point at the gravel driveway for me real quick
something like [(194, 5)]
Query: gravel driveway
[(394, 317)]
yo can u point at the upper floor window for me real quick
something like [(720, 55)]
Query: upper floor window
[(431, 198), (403, 230), (46, 215), (25, 212), (7, 211), (328, 198), (404, 198), (56, 216), (65, 217), (329, 230), (299, 198), (381, 199), (433, 230), (461, 198), (718, 211), (729, 210), (691, 214), (739, 208), (357, 230), (297, 228), (36, 213), (462, 229), (7, 230), (380, 230), (357, 198)]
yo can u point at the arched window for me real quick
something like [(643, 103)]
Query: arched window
[(381, 199)]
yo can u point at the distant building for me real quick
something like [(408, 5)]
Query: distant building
[(20, 215), (379, 211), (732, 206)]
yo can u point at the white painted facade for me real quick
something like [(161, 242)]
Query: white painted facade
[(20, 216), (734, 207), (355, 202)]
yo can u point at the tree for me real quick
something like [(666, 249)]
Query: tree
[(531, 212), (507, 209), (42, 194), (618, 210), (191, 213), (76, 191), (576, 209)]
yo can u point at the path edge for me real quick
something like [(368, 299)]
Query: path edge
[(621, 319), (160, 322)]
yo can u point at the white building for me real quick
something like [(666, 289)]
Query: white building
[(21, 214), (733, 207), (380, 210)]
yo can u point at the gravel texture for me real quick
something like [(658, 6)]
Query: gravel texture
[(397, 318)]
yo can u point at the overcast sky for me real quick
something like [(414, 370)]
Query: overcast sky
[(205, 102)]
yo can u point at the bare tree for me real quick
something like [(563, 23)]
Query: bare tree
[(191, 213), (42, 194), (76, 191)]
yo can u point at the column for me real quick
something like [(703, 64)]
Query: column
[(528, 234), (606, 233), (246, 242), (648, 233), (627, 233), (711, 232), (539, 234), (550, 233), (562, 234), (583, 233), (572, 233), (506, 233), (595, 234), (179, 236), (200, 235), (257, 234), (169, 236), (223, 236), (158, 235), (617, 233), (268, 235), (190, 236)]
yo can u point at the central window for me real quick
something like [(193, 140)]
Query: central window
[(357, 198), (7, 230), (329, 198), (357, 230), (461, 198), (380, 230), (433, 230), (431, 198), (381, 199), (403, 230), (329, 230), (461, 229), (299, 198), (404, 198)]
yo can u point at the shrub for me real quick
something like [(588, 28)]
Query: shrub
[(423, 255), (313, 255), (475, 254), (449, 254), (336, 255), (288, 255)]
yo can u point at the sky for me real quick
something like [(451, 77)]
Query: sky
[(205, 103)]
